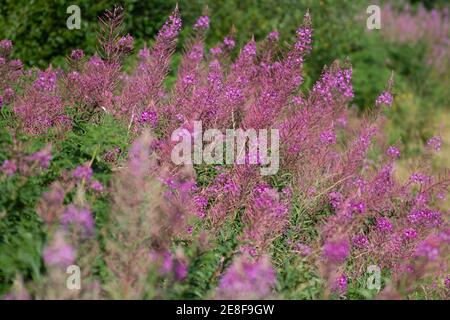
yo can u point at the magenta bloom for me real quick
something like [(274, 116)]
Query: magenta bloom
[(77, 54), (273, 36), (17, 64), (215, 51), (409, 234), (304, 38), (340, 285), (360, 241), (425, 217), (180, 270), (444, 236), (8, 167), (59, 253), (96, 186), (82, 173), (336, 199), (149, 117), (8, 95), (46, 81), (393, 152), (234, 94), (420, 178), (95, 61), (384, 98), (328, 137), (202, 23), (188, 80), (126, 43), (229, 43), (428, 248), (384, 224), (303, 249), (357, 206), (144, 54), (201, 203), (336, 251), (171, 27), (435, 143), (6, 46), (250, 49), (172, 265), (43, 157), (167, 262)]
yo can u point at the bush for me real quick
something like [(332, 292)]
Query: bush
[(90, 178)]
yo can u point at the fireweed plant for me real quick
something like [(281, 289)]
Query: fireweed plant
[(92, 145), (430, 27)]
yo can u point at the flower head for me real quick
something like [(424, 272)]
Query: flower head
[(336, 251), (360, 241), (273, 36), (215, 51), (384, 98), (46, 81), (435, 143), (428, 248), (303, 249), (202, 23), (328, 137), (5, 47), (126, 43), (447, 282), (149, 117), (59, 252), (77, 54), (336, 199), (82, 173), (229, 42), (340, 285), (247, 279), (393, 152), (96, 185), (180, 270), (250, 49), (409, 234), (80, 218), (42, 157), (8, 167), (384, 224), (171, 27), (304, 36)]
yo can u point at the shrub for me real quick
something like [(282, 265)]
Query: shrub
[(138, 225)]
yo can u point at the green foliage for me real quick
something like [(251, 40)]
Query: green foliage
[(91, 140), (38, 28), (22, 233), (296, 278)]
